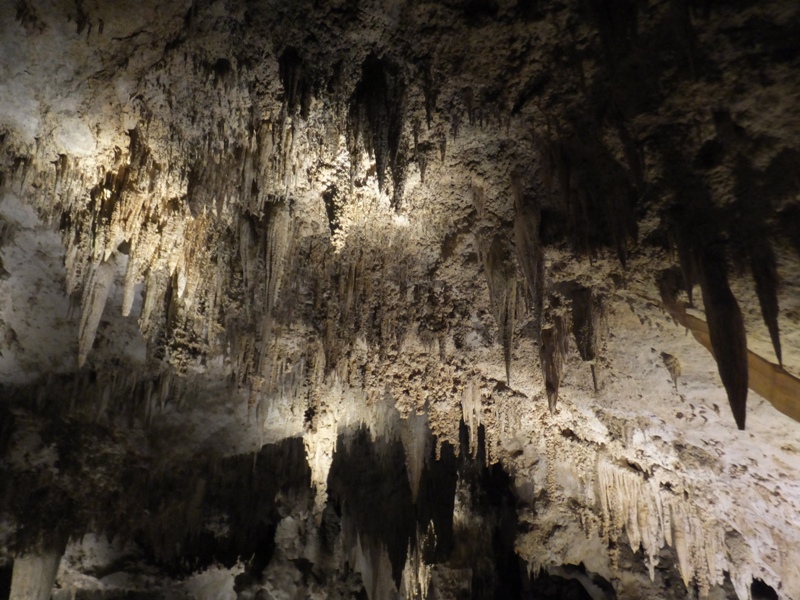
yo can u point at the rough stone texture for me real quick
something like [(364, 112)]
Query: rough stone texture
[(369, 298), (34, 576)]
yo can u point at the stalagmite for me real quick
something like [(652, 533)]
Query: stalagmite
[(416, 579), (33, 576), (372, 561)]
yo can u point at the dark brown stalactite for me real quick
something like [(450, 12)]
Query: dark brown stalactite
[(670, 283), (698, 229), (616, 23), (682, 241), (673, 366), (552, 350), (527, 223), (585, 317), (330, 198), (295, 84), (756, 193), (726, 327), (789, 224), (377, 110), (429, 89), (595, 190), (765, 274), (502, 284)]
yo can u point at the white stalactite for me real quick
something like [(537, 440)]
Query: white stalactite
[(94, 302), (320, 446), (415, 436), (653, 516), (472, 413)]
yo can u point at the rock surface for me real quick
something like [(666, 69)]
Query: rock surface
[(376, 299)]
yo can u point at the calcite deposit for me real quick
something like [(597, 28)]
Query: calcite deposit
[(399, 299)]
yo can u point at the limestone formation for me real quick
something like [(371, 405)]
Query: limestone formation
[(374, 298)]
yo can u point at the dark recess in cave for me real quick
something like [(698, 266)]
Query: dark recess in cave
[(762, 591), (5, 580)]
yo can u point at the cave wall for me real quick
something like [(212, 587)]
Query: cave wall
[(458, 242)]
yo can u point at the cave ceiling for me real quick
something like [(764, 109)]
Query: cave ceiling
[(413, 299)]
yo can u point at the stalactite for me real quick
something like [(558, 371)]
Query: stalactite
[(320, 444), (416, 579), (129, 285), (673, 366), (585, 316), (416, 437), (527, 223), (789, 225), (293, 77), (627, 499), (726, 326), (94, 301), (652, 514), (765, 273), (595, 191), (765, 378), (377, 113), (372, 561), (430, 90), (670, 283), (683, 241), (472, 413), (552, 351), (502, 284), (695, 227)]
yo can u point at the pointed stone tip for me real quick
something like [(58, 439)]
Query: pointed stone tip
[(740, 417), (740, 425), (552, 401), (738, 404)]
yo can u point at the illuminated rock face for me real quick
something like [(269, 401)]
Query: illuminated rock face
[(382, 299)]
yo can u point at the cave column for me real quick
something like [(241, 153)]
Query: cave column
[(33, 576)]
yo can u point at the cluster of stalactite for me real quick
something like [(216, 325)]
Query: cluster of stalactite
[(205, 224), (629, 507), (437, 518), (214, 247), (447, 509)]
